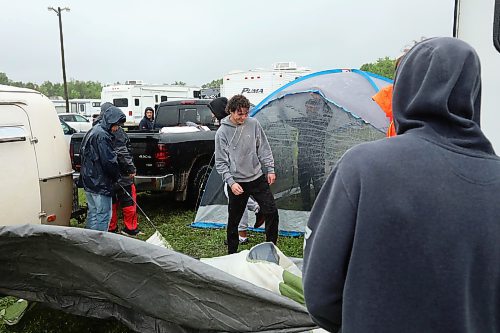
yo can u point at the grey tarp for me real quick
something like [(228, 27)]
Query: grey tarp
[(149, 288)]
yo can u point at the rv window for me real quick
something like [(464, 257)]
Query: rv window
[(496, 26), (74, 107), (136, 102), (82, 108), (164, 98), (120, 102), (96, 104), (12, 134), (156, 98)]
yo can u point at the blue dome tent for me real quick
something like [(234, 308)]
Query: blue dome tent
[(310, 123)]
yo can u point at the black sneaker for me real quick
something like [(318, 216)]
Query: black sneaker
[(133, 233)]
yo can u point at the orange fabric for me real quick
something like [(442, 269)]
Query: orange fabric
[(384, 99)]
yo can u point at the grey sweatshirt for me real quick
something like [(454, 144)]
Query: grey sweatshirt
[(405, 234), (242, 152)]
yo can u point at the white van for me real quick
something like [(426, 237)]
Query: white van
[(35, 171), (478, 23)]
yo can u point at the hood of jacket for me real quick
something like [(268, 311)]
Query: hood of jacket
[(112, 115), (104, 107), (437, 92), (218, 107)]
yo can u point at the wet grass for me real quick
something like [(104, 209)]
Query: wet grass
[(172, 219)]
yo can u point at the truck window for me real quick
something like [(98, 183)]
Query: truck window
[(163, 98), (167, 115), (189, 114), (120, 102), (136, 102), (496, 26)]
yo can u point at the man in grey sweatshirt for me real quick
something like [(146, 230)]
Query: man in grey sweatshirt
[(244, 159), (405, 234)]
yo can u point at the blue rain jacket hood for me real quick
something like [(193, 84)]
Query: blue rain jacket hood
[(99, 168), (437, 92)]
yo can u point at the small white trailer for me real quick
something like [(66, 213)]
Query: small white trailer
[(257, 84), (35, 172), (134, 96), (478, 23), (84, 107)]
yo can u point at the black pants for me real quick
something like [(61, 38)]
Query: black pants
[(260, 191), (310, 170)]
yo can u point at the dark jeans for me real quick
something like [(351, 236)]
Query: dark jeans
[(260, 191)]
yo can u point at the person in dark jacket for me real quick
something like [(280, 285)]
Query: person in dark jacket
[(404, 236), (147, 121), (99, 168), (124, 193)]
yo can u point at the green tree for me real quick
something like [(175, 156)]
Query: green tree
[(4, 79), (214, 84), (383, 66)]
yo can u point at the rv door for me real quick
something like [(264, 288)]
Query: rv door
[(478, 23), (19, 167)]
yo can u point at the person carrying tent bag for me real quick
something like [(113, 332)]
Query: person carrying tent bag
[(241, 153)]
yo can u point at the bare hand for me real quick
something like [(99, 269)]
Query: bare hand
[(132, 175), (271, 177), (236, 189)]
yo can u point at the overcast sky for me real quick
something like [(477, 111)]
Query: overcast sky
[(162, 41)]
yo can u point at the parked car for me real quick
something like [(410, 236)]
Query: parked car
[(78, 122), (67, 130)]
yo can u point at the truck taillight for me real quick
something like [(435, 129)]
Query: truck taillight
[(161, 156), (130, 113), (188, 102)]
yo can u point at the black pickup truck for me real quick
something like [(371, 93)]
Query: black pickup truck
[(176, 156)]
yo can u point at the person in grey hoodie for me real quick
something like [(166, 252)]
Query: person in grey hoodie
[(244, 159), (405, 234)]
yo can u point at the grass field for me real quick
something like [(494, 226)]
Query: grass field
[(172, 220)]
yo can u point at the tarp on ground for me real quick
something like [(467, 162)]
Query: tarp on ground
[(147, 287), (310, 123)]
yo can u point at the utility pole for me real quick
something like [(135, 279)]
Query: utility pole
[(65, 84)]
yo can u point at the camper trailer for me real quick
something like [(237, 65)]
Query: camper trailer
[(478, 23), (134, 96), (256, 84), (36, 174), (84, 107)]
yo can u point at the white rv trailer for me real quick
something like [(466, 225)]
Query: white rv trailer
[(478, 23), (134, 96), (256, 84), (35, 172), (84, 107)]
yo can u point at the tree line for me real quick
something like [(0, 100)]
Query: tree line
[(76, 88), (92, 89)]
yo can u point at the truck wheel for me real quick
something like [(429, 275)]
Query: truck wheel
[(197, 184)]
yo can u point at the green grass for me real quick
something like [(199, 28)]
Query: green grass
[(172, 220)]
